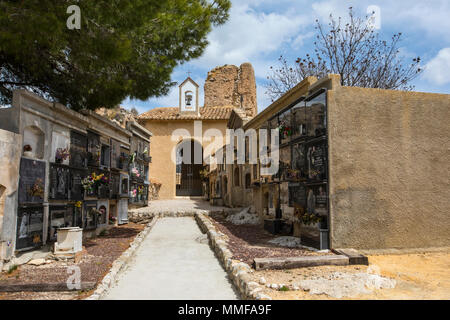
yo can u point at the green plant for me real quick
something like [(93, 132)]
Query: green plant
[(284, 288), (305, 217), (62, 154), (37, 190), (12, 268), (204, 172), (310, 218)]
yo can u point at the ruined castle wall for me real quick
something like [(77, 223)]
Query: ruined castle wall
[(225, 85), (246, 86)]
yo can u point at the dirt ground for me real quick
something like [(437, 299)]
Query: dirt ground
[(418, 277), (95, 264), (248, 242)]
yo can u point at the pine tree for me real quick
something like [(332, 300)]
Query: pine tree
[(123, 48)]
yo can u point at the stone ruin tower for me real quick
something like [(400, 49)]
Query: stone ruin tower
[(232, 86)]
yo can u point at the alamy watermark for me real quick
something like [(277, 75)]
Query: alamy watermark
[(74, 280), (74, 20), (374, 20), (241, 147)]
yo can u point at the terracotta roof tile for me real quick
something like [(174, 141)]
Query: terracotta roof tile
[(171, 113)]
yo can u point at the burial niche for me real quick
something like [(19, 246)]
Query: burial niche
[(33, 142)]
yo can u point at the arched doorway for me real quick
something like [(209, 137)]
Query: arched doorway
[(189, 164)]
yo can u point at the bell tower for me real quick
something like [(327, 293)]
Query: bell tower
[(188, 96)]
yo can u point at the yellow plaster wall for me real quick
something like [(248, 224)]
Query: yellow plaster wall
[(162, 168), (389, 159)]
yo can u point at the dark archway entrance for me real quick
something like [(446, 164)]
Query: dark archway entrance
[(189, 165)]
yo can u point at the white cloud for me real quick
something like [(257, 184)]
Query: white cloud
[(300, 39), (322, 10), (430, 16), (250, 36), (263, 100), (437, 71), (258, 31)]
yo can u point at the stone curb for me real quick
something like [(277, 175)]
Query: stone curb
[(239, 272), (119, 264)]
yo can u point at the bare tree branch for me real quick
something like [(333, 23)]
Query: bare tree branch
[(355, 52)]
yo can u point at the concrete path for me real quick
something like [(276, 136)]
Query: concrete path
[(181, 204), (172, 264)]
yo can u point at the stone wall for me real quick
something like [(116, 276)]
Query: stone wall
[(118, 115), (389, 168), (10, 151), (225, 85)]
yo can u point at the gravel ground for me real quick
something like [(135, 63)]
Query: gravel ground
[(39, 295), (416, 276), (95, 264), (248, 242)]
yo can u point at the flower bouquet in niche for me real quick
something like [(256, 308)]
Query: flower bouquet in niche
[(141, 192), (92, 182), (112, 220), (310, 218), (285, 130), (88, 184), (37, 190), (101, 179), (301, 216), (134, 193), (135, 172), (61, 155)]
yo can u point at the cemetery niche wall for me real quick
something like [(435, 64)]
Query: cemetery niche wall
[(139, 160), (352, 149), (300, 187), (32, 181), (56, 153), (30, 212), (29, 227)]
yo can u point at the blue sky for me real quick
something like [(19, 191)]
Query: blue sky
[(258, 31)]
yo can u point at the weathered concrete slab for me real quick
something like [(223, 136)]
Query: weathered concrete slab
[(354, 256), (300, 262)]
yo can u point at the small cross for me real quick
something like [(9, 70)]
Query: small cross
[(189, 74)]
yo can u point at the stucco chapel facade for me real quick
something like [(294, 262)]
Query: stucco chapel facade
[(228, 89)]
